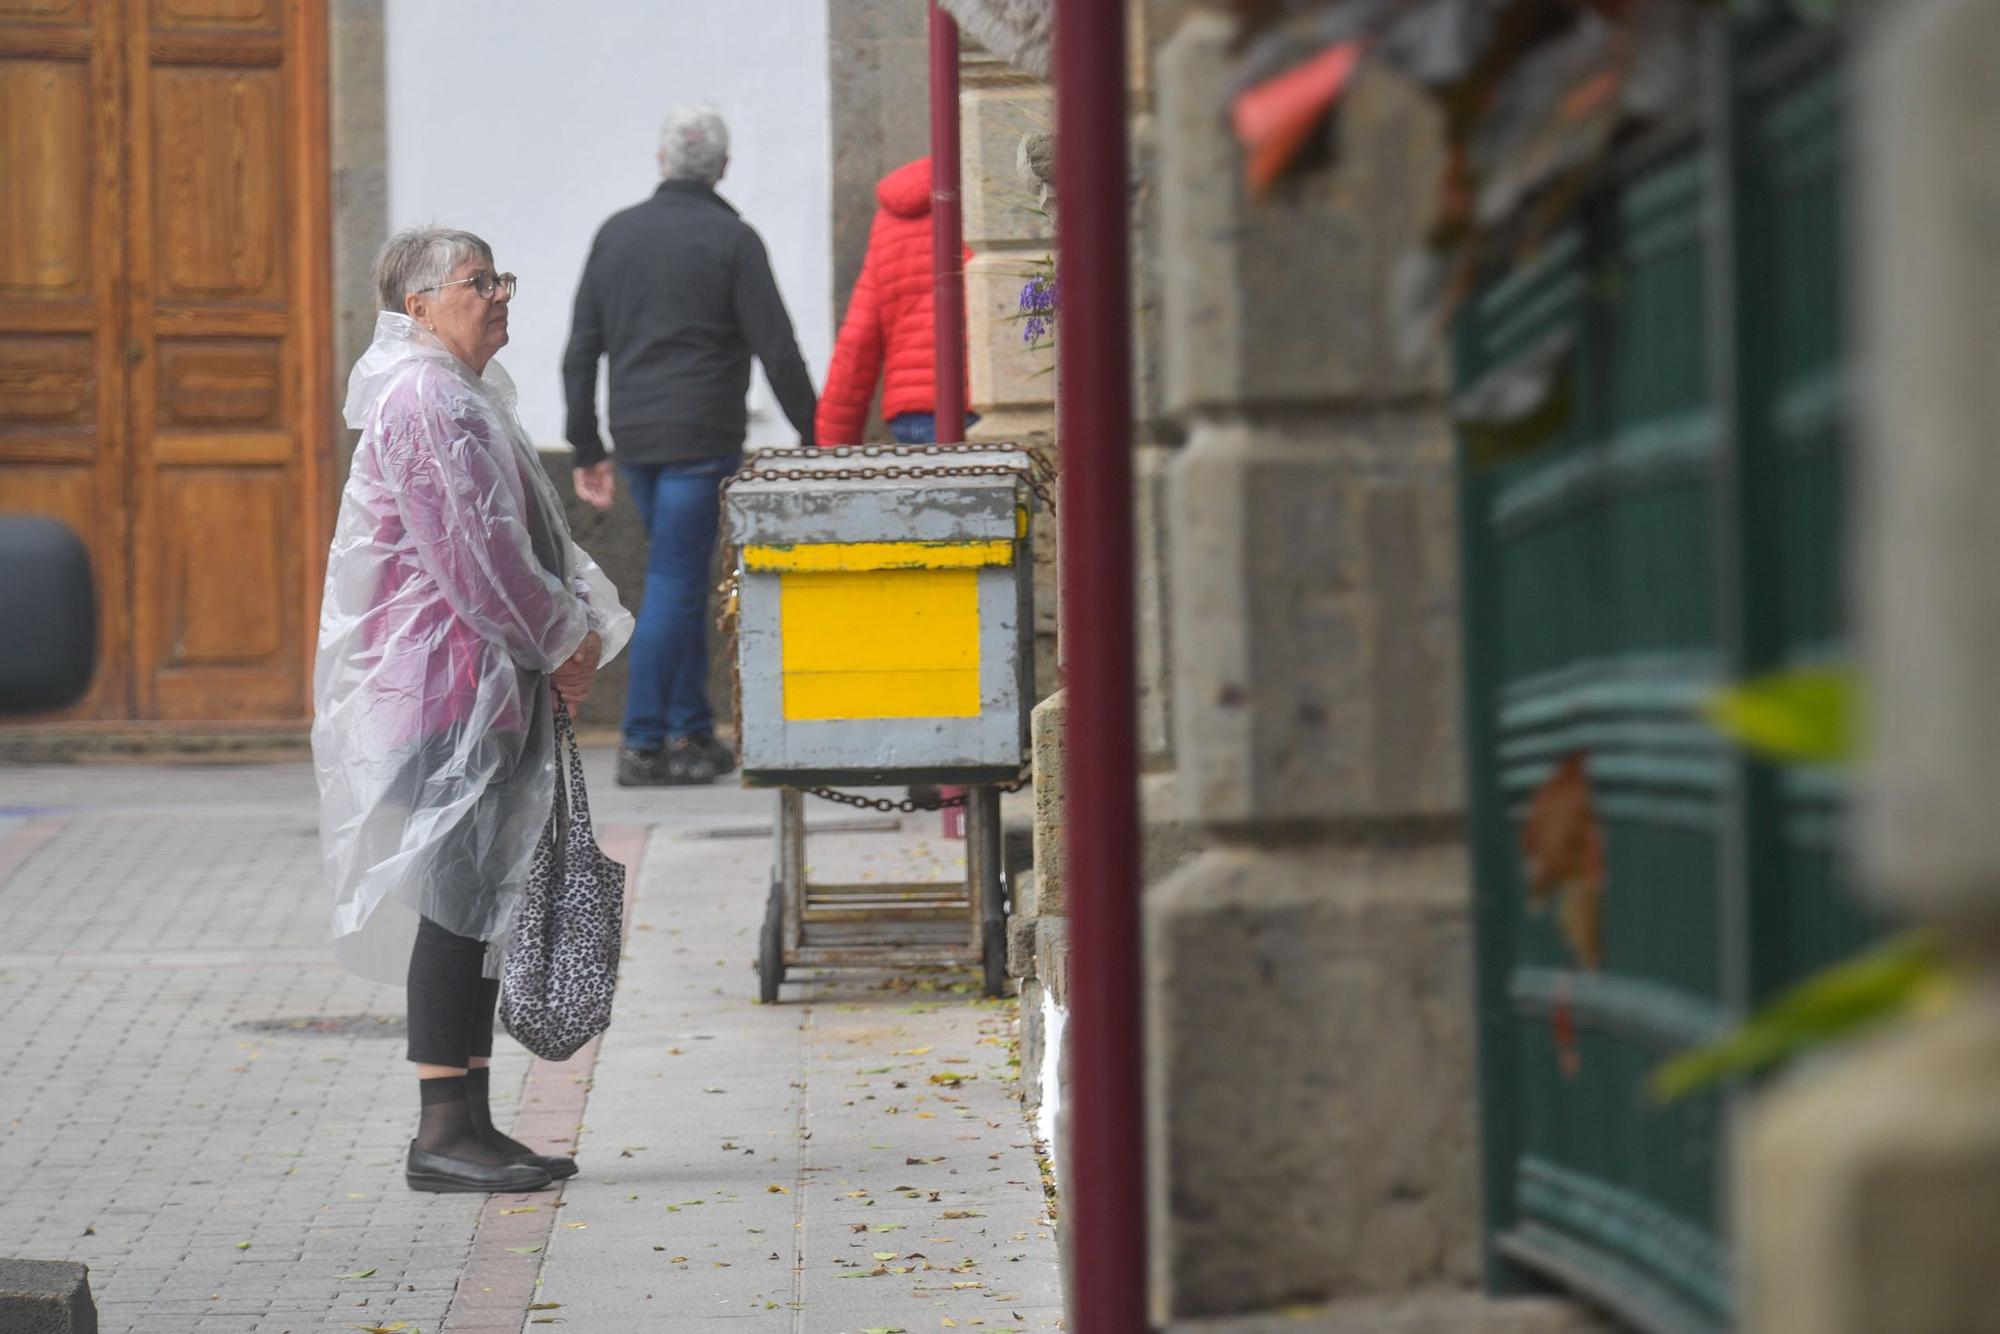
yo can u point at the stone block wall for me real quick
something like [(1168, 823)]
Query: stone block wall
[(1310, 1052), (1010, 228)]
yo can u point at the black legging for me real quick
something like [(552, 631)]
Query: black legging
[(450, 1000)]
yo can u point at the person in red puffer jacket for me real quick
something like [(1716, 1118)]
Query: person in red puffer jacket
[(888, 331)]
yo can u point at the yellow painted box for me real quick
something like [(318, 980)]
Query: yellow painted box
[(885, 615)]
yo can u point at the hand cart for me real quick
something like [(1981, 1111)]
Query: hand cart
[(869, 924), (884, 619)]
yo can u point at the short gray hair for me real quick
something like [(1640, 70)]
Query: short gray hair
[(694, 145), (422, 257)]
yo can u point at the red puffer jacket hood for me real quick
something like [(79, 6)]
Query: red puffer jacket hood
[(887, 333), (906, 191)]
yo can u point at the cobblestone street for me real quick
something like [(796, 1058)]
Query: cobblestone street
[(202, 1108)]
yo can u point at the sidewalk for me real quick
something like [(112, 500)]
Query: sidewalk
[(200, 1107)]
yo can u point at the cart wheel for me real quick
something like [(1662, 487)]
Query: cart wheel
[(771, 945)]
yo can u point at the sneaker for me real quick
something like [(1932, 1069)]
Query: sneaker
[(692, 761), (720, 753), (680, 764), (642, 768)]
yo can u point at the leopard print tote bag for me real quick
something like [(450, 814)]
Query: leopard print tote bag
[(555, 993)]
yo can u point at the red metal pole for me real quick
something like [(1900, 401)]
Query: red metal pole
[(947, 230), (1104, 1194)]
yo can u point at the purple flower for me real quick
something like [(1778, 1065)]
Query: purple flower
[(1040, 296)]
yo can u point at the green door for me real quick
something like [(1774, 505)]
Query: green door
[(1668, 521)]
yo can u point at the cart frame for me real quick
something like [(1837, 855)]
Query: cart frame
[(890, 924)]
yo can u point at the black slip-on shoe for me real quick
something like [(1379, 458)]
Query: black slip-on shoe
[(559, 1169), (434, 1172)]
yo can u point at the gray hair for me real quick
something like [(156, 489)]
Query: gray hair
[(694, 145), (421, 257)]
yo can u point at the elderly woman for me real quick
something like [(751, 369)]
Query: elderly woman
[(456, 605)]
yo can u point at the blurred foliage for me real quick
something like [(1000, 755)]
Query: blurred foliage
[(1905, 975), (1808, 716)]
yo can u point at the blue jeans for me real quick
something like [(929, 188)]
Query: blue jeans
[(680, 507), (920, 428)]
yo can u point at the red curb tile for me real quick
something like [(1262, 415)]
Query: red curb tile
[(498, 1284)]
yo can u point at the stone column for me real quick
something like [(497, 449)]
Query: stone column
[(1310, 1048), (878, 86), (1870, 1186), (358, 157)]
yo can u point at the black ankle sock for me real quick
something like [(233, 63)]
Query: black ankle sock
[(446, 1127), (478, 1102)]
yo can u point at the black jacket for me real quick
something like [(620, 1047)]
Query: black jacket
[(678, 292)]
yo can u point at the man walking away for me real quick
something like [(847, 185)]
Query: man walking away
[(678, 293)]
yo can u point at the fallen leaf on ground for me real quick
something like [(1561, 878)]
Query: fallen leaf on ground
[(242, 1245), (525, 1250), (359, 1273), (523, 1209)]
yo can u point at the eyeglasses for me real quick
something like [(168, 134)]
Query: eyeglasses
[(486, 284)]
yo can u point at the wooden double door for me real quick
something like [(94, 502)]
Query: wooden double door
[(164, 317)]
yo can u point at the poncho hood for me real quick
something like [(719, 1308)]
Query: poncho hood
[(399, 343)]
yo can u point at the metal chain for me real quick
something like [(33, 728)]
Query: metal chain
[(908, 805), (1038, 474)]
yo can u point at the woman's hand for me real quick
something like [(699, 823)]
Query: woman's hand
[(573, 678)]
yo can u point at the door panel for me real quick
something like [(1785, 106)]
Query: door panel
[(222, 478), (62, 407), (48, 394), (221, 382), (44, 213), (69, 12), (208, 15), (217, 165)]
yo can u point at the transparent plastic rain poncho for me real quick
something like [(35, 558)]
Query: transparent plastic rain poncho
[(452, 591)]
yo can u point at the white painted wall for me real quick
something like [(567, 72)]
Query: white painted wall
[(531, 121)]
